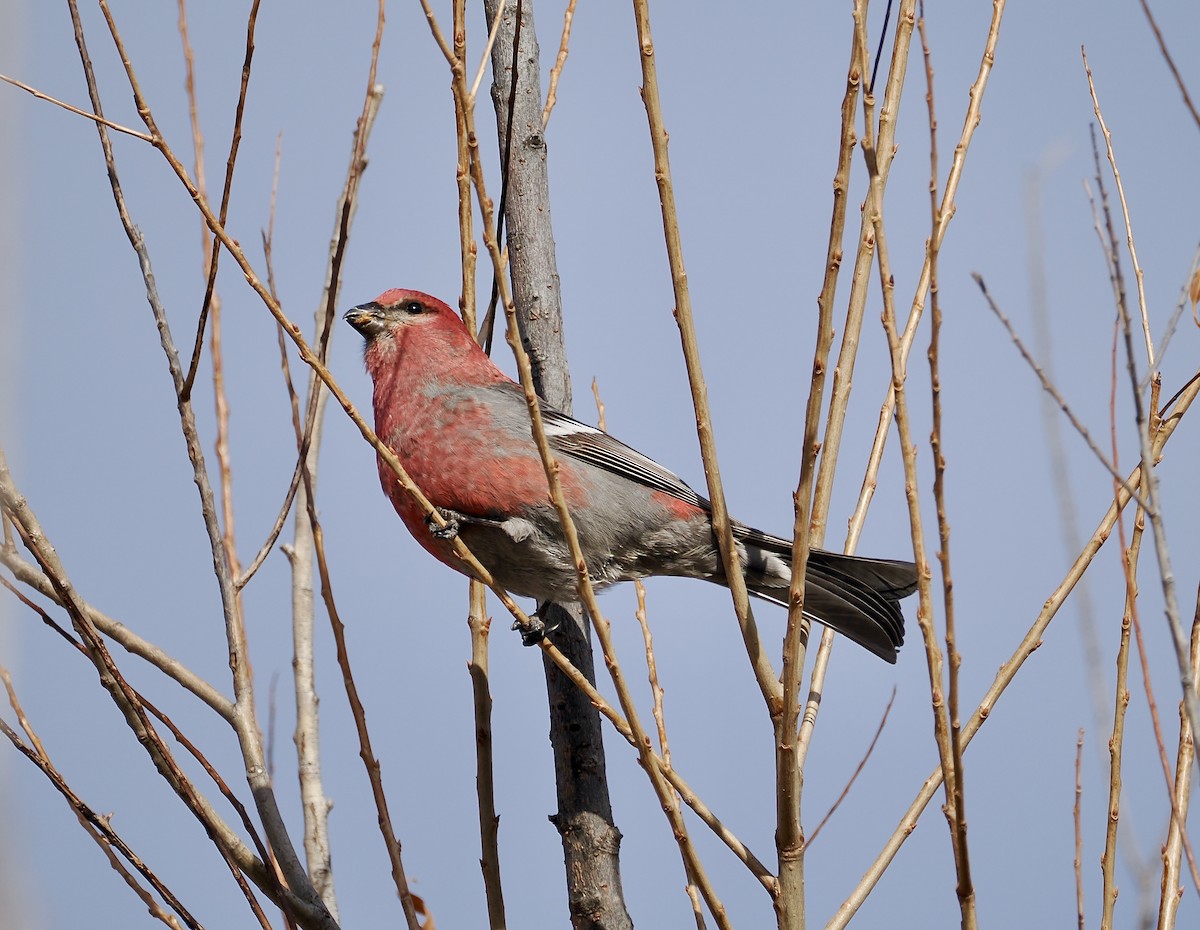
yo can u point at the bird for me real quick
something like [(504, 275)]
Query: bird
[(461, 429)]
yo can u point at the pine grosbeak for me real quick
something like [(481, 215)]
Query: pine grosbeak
[(460, 427)]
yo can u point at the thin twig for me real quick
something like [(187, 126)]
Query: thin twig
[(301, 898), (887, 16), (1079, 828), (117, 127), (857, 771), (556, 71), (131, 642), (234, 143), (268, 240), (693, 890), (1108, 860), (487, 51), (1151, 360), (1009, 669), (97, 827), (1154, 511), (842, 373), (768, 683), (1049, 388), (1172, 891), (656, 690), (466, 145), (956, 813), (489, 822), (1162, 45), (285, 508), (128, 701)]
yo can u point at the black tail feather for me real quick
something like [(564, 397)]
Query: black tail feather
[(855, 596)]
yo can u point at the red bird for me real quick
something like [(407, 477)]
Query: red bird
[(460, 427)]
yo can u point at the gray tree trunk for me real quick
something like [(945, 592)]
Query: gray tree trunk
[(584, 819)]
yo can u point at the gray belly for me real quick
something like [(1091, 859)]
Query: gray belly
[(530, 557)]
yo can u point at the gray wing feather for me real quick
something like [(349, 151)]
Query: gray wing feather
[(568, 436)]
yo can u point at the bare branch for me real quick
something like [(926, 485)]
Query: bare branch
[(556, 71), (96, 826), (768, 683), (1153, 511), (1079, 828), (84, 113), (30, 575), (1009, 669)]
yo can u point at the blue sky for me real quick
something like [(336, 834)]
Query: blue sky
[(751, 99)]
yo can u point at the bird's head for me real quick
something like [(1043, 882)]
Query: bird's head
[(411, 330), (396, 309)]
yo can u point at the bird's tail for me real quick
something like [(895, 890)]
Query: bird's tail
[(855, 596)]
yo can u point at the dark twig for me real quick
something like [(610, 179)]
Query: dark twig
[(887, 18), (489, 319), (234, 143), (1162, 45)]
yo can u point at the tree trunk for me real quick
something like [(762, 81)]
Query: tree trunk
[(584, 819)]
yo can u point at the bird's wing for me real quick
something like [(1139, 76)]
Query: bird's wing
[(568, 436), (588, 444)]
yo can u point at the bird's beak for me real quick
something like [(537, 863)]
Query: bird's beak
[(367, 319)]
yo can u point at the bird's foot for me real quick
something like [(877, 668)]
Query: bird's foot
[(533, 634), (447, 531), (538, 628)]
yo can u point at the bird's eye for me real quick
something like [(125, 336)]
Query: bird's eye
[(414, 306)]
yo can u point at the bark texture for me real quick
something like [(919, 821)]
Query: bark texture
[(584, 818)]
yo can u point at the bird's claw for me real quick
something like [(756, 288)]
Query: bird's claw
[(447, 531), (533, 634), (537, 630)]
